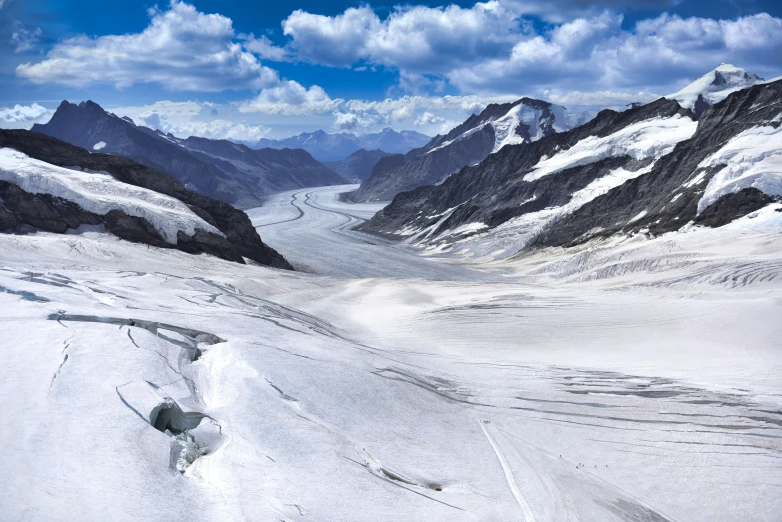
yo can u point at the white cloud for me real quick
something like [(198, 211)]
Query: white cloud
[(492, 47), (23, 116), (291, 98), (264, 48), (213, 129), (427, 118), (194, 118), (416, 39), (182, 49), (24, 39), (659, 53)]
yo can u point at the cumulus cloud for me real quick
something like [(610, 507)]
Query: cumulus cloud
[(212, 129), (427, 118), (182, 49), (24, 39), (194, 118), (264, 48), (657, 52), (416, 39), (291, 98), (23, 116), (24, 113), (493, 47)]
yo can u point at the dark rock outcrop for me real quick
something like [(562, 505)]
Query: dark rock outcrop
[(46, 212)]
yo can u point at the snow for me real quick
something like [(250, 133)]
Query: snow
[(98, 146), (651, 138), (712, 89), (638, 216), (505, 126), (513, 235), (753, 158), (101, 193), (636, 380)]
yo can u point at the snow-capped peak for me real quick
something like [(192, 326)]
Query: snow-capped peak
[(714, 87), (523, 121)]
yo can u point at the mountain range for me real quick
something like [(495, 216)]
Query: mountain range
[(648, 170), (336, 147), (523, 121), (220, 169)]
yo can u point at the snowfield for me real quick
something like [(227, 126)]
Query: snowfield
[(652, 138), (623, 381), (101, 193)]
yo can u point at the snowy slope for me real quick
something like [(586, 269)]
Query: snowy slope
[(522, 123), (635, 382), (715, 86), (751, 159), (100, 193), (651, 138)]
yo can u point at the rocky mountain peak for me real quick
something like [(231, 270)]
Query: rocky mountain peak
[(713, 87)]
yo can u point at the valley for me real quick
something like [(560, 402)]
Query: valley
[(626, 381)]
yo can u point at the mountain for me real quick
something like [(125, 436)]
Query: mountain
[(358, 166), (336, 147), (221, 169), (523, 121), (48, 184), (392, 141), (648, 170), (714, 87)]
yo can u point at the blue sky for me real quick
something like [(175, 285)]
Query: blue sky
[(245, 69)]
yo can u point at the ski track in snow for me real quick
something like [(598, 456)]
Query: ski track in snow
[(627, 381)]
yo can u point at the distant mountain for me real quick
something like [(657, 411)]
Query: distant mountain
[(336, 147), (48, 184), (714, 87), (217, 168), (523, 121), (646, 171), (358, 166)]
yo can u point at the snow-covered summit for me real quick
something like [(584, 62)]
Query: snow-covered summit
[(714, 86), (523, 121)]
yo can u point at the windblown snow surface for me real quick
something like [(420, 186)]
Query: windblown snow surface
[(100, 193), (635, 381)]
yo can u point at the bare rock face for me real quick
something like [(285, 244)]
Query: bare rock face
[(53, 214)]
